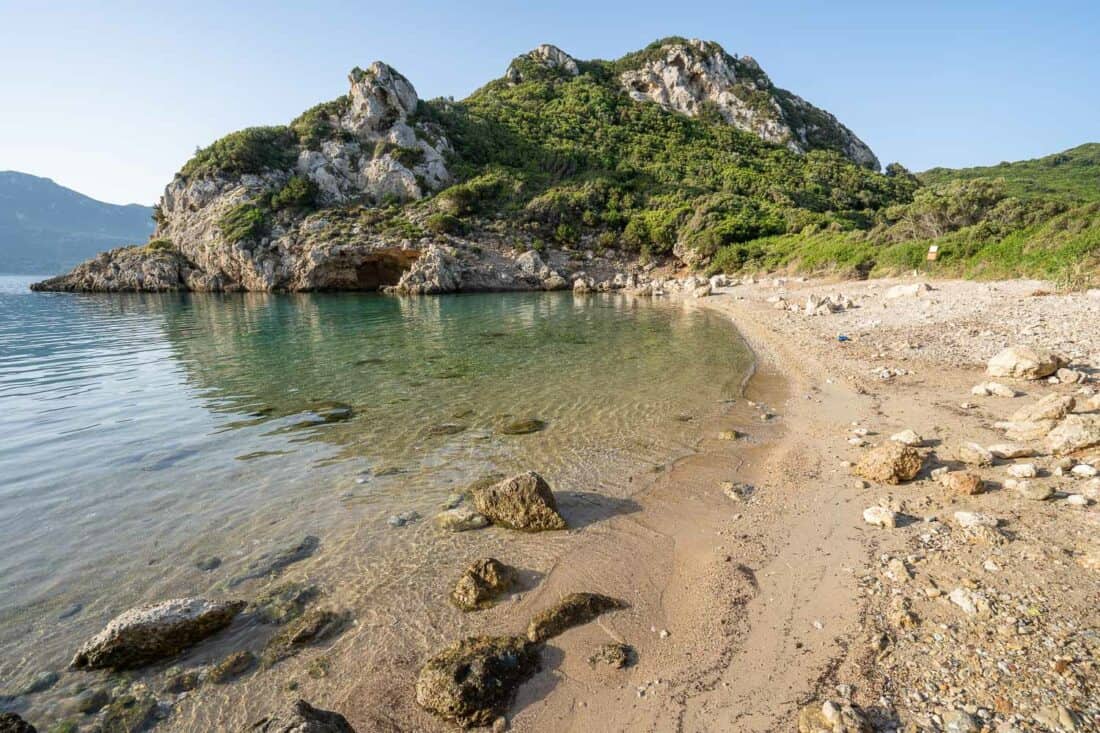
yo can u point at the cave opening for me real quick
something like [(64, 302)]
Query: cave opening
[(375, 273)]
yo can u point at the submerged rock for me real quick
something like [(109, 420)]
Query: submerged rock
[(315, 625), (524, 427), (232, 667), (12, 723), (283, 603), (472, 681), (573, 610), (275, 562), (481, 583), (151, 633), (460, 519), (522, 502), (890, 463), (129, 713), (304, 718)]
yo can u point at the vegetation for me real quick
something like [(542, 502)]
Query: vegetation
[(244, 222), (252, 150), (1072, 176)]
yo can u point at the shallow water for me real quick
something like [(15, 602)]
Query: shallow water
[(140, 434)]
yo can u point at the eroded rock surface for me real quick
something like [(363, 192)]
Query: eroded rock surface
[(572, 610), (890, 463), (304, 718), (481, 583), (523, 502)]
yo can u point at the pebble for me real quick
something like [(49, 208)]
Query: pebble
[(400, 520)]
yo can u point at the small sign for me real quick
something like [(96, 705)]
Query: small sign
[(933, 252)]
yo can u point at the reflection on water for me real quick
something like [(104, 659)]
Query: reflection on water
[(144, 433)]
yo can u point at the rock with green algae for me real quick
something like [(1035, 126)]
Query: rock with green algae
[(526, 426), (313, 626), (481, 583), (283, 603), (523, 502), (303, 718), (572, 610), (473, 680), (151, 633), (132, 712), (232, 667)]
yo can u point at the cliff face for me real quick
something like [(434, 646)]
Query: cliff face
[(362, 193), (692, 77)]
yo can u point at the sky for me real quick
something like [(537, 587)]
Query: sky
[(111, 98)]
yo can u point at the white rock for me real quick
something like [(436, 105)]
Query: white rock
[(880, 516), (902, 291), (970, 520), (1011, 450), (907, 437), (975, 455), (1084, 470), (1077, 500), (1024, 362), (964, 599), (1023, 470)]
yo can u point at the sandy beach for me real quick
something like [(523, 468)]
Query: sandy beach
[(748, 604)]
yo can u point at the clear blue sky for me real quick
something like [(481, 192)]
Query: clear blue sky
[(111, 98)]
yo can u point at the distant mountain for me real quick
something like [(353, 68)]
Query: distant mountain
[(47, 228), (1072, 175)]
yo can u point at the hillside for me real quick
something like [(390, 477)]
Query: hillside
[(45, 227), (1072, 175)]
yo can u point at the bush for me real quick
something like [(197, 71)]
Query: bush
[(316, 124), (243, 222), (252, 150), (445, 224), (300, 193)]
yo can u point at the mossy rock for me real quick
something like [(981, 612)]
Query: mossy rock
[(573, 610), (283, 603), (481, 583), (525, 426), (232, 667), (315, 625), (129, 713)]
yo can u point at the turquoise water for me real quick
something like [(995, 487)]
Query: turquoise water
[(142, 433)]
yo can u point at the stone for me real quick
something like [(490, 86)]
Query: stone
[(572, 610), (1077, 500), (702, 291), (303, 718), (444, 429), (185, 681), (974, 455), (995, 389), (1025, 431), (404, 518), (523, 502), (908, 437), (971, 520), (963, 483), (523, 427), (890, 463), (970, 602), (613, 655), (91, 701), (151, 633), (1069, 376), (481, 583), (472, 681), (283, 603), (832, 717), (315, 625), (231, 667), (907, 291), (130, 712), (460, 519), (41, 682), (880, 516), (275, 562), (1024, 362), (1033, 491), (1074, 433), (1084, 470), (958, 721), (206, 564), (1011, 450), (12, 723), (1051, 407), (1023, 470)]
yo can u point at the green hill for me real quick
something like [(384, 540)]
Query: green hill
[(1072, 175)]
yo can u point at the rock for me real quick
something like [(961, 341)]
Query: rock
[(207, 564), (523, 427), (572, 610), (313, 626), (996, 389), (1024, 362), (404, 518), (890, 463), (12, 723), (1069, 376), (231, 667), (1033, 491), (1051, 407), (974, 455), (548, 57), (185, 681), (1084, 470), (555, 282), (958, 721), (880, 516), (151, 633), (963, 483), (1023, 470), (460, 519), (908, 291), (481, 583), (971, 520), (907, 437), (689, 76), (701, 292), (303, 718), (1025, 431), (971, 603), (1077, 500), (275, 562), (728, 435), (522, 502), (447, 428), (613, 655), (832, 717), (472, 681), (1011, 450), (1074, 433), (41, 682), (130, 712), (580, 285), (91, 701)]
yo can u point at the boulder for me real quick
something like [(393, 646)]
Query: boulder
[(472, 681), (151, 633), (573, 610), (1076, 432), (12, 723), (832, 717), (522, 502), (890, 463), (481, 583), (303, 718), (524, 426), (1024, 362), (1025, 431), (1051, 407), (880, 516), (460, 519), (1032, 491)]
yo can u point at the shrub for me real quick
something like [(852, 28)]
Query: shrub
[(244, 222), (252, 150), (300, 193), (445, 224), (316, 124)]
